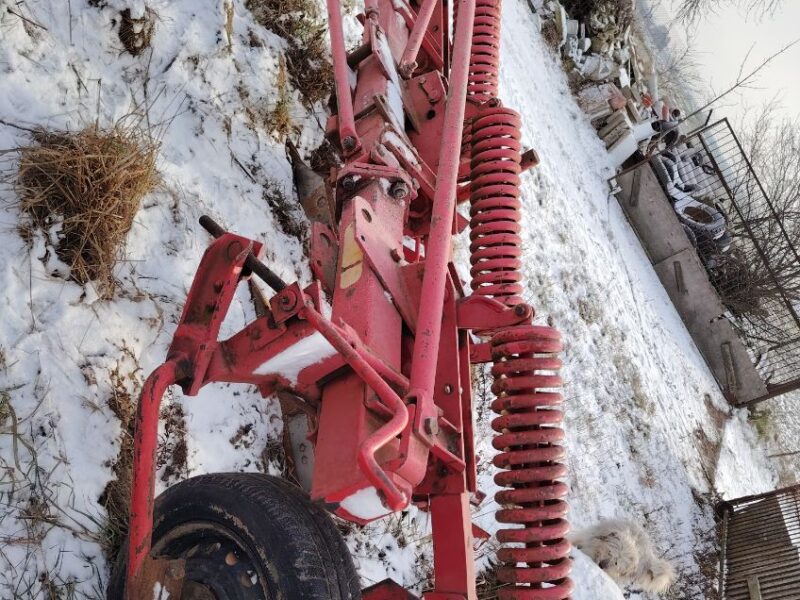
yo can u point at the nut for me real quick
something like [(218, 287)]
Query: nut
[(287, 301), (522, 310), (399, 190), (349, 143), (348, 183)]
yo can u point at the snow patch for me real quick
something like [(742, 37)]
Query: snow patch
[(364, 504), (308, 351)]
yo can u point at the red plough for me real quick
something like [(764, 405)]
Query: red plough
[(378, 387)]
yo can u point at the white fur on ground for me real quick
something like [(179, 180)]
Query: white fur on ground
[(591, 582), (625, 552)]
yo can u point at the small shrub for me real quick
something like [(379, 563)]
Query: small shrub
[(91, 182)]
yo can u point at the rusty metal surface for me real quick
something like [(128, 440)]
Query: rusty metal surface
[(761, 554)]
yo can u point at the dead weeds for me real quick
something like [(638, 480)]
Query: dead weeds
[(550, 35), (89, 184), (307, 56), (279, 119), (621, 10), (324, 157), (285, 210), (116, 495), (173, 451)]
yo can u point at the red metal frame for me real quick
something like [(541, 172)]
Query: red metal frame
[(387, 376)]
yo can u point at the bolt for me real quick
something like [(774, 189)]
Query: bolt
[(521, 310), (396, 255), (399, 190), (348, 183), (287, 301), (448, 389), (349, 143), (407, 69), (431, 425)]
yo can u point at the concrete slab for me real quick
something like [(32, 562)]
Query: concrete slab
[(684, 278)]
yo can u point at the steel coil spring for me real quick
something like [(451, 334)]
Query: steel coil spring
[(484, 64), (495, 245), (537, 565)]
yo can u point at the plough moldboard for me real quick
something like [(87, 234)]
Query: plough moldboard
[(379, 386)]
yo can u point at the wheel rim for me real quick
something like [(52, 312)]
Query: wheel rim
[(218, 564)]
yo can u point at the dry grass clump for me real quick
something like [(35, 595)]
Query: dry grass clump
[(279, 119), (91, 183), (307, 57)]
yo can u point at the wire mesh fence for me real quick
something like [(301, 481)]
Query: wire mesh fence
[(746, 242)]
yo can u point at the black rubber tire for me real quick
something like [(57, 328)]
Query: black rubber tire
[(661, 172), (293, 543)]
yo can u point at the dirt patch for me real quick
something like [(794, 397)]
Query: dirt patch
[(83, 191), (589, 310), (323, 158), (709, 451), (550, 35), (243, 438), (275, 455), (761, 419), (136, 33), (173, 450), (116, 495), (718, 415), (285, 210)]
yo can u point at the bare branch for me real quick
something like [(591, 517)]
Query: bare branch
[(744, 81), (690, 11)]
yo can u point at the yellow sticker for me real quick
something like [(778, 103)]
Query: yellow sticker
[(352, 258)]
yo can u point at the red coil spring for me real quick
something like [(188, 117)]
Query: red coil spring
[(537, 566), (535, 553), (495, 246), (485, 58)]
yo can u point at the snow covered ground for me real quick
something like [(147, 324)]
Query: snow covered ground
[(650, 436)]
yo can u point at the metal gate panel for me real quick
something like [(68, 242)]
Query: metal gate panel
[(761, 547)]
